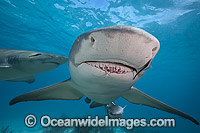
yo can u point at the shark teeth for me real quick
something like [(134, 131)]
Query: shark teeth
[(111, 67)]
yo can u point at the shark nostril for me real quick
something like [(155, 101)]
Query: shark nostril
[(154, 49)]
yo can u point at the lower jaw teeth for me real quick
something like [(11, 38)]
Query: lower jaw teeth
[(110, 68)]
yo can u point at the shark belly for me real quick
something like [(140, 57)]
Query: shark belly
[(101, 93)]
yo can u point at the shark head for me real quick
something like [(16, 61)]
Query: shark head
[(114, 55), (34, 62)]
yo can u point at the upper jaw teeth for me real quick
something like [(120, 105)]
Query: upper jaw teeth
[(111, 67)]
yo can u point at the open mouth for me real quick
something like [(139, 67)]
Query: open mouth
[(111, 67)]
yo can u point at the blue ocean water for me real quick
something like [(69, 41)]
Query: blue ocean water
[(52, 26)]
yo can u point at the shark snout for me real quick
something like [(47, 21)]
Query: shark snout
[(48, 58), (56, 59)]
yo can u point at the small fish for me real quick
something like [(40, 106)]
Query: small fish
[(115, 111)]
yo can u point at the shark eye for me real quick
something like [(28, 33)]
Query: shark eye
[(92, 39), (38, 54), (154, 49)]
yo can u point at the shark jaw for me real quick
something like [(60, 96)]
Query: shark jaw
[(111, 67), (107, 69), (116, 68)]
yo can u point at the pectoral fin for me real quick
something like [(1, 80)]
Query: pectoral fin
[(28, 79), (138, 97), (63, 90)]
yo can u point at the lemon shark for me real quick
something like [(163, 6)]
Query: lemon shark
[(20, 65), (104, 64)]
